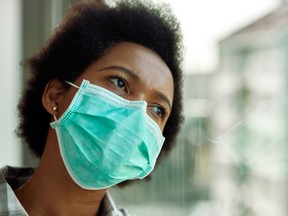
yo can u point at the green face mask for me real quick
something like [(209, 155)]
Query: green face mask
[(105, 139)]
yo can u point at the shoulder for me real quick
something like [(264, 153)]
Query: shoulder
[(9, 204), (125, 212), (15, 176), (109, 208)]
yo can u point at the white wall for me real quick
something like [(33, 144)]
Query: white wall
[(10, 84)]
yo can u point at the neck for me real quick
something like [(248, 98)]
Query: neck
[(51, 191)]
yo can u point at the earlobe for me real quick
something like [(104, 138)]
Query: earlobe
[(52, 96)]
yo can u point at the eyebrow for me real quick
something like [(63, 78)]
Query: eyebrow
[(123, 69), (134, 76)]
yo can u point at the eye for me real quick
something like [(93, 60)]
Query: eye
[(119, 81), (158, 111)]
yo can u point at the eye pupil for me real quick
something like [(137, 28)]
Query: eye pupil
[(120, 83), (159, 112)]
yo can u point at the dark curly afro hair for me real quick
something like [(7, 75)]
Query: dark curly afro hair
[(88, 32)]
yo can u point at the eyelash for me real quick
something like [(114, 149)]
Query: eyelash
[(163, 111), (119, 78)]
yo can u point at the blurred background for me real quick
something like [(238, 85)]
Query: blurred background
[(231, 158)]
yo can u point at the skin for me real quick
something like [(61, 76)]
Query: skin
[(51, 191)]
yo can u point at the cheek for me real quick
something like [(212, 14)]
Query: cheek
[(165, 123)]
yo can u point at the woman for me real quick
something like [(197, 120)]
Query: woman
[(103, 90)]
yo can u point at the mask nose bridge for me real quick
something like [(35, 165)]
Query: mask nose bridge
[(139, 97)]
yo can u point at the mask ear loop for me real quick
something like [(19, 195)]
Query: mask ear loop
[(56, 108), (72, 84)]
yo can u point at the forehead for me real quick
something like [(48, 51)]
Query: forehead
[(154, 74)]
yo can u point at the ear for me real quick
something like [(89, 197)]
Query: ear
[(53, 96)]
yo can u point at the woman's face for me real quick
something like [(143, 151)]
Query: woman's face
[(133, 72)]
